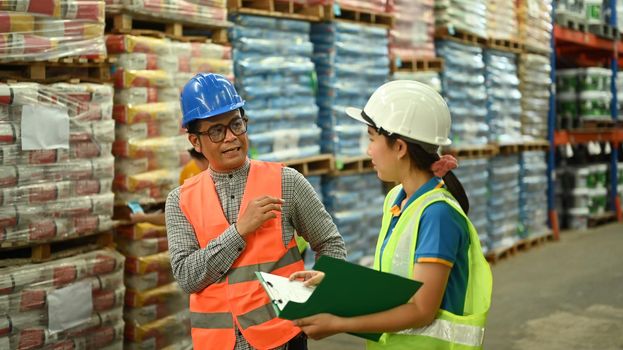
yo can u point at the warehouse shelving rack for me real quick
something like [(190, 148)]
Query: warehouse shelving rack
[(588, 50)]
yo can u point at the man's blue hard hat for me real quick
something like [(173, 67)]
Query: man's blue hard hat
[(207, 95)]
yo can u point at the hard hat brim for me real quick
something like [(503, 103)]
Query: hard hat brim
[(355, 113)]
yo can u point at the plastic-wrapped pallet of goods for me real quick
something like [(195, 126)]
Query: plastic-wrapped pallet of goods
[(274, 74), (463, 86), (535, 24), (349, 70), (502, 19), (38, 308), (32, 30), (365, 5), (412, 35), (532, 195), (535, 83), (465, 15), (503, 97), (150, 146), (431, 79), (156, 309), (53, 193), (355, 203), (583, 189), (474, 176), (210, 12), (503, 204), (584, 96)]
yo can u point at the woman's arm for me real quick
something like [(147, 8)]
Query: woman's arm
[(420, 311)]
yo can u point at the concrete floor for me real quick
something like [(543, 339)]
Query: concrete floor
[(561, 295)]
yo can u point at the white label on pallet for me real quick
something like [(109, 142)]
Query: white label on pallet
[(44, 127), (70, 306)]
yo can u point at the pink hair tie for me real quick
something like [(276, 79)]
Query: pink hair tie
[(445, 163)]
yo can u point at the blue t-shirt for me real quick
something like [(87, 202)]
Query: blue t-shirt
[(443, 237)]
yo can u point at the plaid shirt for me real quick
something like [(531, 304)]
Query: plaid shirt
[(195, 268)]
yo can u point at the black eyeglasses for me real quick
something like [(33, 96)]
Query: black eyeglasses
[(216, 133)]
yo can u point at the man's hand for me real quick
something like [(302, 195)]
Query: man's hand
[(257, 213)]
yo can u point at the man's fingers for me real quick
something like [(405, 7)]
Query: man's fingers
[(265, 200), (271, 207)]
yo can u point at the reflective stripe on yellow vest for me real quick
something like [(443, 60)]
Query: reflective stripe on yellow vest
[(237, 299), (448, 331)]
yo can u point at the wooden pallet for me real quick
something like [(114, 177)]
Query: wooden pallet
[(602, 124), (415, 64), (604, 31), (353, 165), (312, 166), (601, 219), (17, 254), (130, 22), (534, 241), (450, 33), (512, 148), (573, 22), (360, 16), (277, 8), (501, 254), (507, 45), (72, 69), (484, 151), (541, 145)]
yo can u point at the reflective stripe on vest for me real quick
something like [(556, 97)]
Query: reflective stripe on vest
[(448, 331), (237, 300), (451, 332)]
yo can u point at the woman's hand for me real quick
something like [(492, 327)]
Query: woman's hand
[(321, 325), (310, 278)]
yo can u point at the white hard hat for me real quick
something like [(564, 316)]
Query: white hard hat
[(407, 108)]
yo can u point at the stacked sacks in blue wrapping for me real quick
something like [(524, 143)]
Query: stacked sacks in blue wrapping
[(463, 86), (275, 75), (355, 202), (532, 194), (504, 98), (474, 175), (503, 204), (351, 62)]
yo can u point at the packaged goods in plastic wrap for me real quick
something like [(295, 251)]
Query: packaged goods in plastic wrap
[(61, 188), (355, 203), (175, 325), (474, 176), (535, 24), (368, 5), (502, 19), (503, 203), (148, 281), (463, 88), (32, 30), (150, 263), (413, 32), (275, 76), (534, 85), (503, 97), (349, 70), (431, 79), (142, 247), (464, 15), (213, 12), (33, 296), (533, 193), (159, 295)]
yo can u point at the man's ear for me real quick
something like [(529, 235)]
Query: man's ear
[(195, 141)]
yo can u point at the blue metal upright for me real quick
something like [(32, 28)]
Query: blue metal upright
[(615, 205), (551, 154)]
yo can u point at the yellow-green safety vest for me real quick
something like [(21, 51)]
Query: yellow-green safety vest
[(448, 331)]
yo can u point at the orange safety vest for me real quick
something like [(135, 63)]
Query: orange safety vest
[(238, 297)]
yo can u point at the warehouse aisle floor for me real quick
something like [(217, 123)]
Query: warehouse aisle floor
[(561, 295)]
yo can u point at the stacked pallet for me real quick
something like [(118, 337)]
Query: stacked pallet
[(150, 145), (274, 74), (534, 85), (502, 19), (70, 303), (535, 25), (204, 12), (462, 16), (36, 31), (56, 170), (503, 97), (156, 309)]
